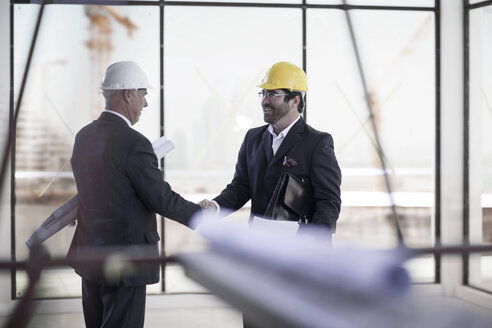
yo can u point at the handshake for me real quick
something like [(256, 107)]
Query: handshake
[(209, 207)]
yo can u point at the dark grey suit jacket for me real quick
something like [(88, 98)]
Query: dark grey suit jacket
[(120, 189), (305, 152)]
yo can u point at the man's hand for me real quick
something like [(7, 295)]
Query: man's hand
[(207, 205)]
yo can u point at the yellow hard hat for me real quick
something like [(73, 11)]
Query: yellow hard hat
[(284, 75)]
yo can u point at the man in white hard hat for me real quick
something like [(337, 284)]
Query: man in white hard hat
[(120, 189)]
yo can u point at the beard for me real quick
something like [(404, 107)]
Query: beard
[(273, 114), (268, 114)]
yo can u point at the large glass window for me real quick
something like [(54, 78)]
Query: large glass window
[(240, 1), (393, 3), (480, 109), (74, 46), (213, 59), (396, 49)]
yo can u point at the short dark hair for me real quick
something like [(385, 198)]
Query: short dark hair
[(291, 95)]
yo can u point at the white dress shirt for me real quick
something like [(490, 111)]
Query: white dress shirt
[(276, 142), (277, 139)]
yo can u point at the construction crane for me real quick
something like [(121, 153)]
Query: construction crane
[(100, 48), (100, 45)]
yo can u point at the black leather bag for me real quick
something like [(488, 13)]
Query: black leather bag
[(292, 200)]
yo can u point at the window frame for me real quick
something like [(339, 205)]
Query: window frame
[(303, 6), (468, 7)]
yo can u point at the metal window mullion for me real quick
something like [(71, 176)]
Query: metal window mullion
[(10, 147), (466, 138), (304, 50), (11, 144), (228, 4), (478, 5), (437, 195), (162, 133)]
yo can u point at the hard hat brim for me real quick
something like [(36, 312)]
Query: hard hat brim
[(126, 88), (270, 86)]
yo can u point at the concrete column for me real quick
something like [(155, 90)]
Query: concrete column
[(451, 140)]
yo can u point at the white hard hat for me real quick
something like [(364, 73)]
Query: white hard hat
[(124, 75)]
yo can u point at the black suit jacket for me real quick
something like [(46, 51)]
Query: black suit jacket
[(305, 152), (120, 189)]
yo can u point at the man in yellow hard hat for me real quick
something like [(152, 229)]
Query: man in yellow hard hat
[(120, 188), (285, 145)]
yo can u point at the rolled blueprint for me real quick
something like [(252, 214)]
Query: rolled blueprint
[(374, 273), (162, 146), (59, 219), (277, 280), (67, 212)]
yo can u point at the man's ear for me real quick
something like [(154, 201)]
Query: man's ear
[(126, 95), (296, 101)]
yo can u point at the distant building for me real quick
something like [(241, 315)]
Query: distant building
[(42, 149)]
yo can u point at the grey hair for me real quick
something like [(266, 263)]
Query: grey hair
[(108, 94)]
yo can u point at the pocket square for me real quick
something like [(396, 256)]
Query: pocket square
[(289, 162)]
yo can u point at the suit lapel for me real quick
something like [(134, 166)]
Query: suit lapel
[(266, 140), (291, 138)]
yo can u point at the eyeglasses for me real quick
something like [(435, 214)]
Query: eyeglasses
[(270, 94)]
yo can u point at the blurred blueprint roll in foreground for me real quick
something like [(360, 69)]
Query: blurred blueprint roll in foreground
[(280, 280)]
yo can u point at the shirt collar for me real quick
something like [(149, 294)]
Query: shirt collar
[(284, 132), (118, 114)]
